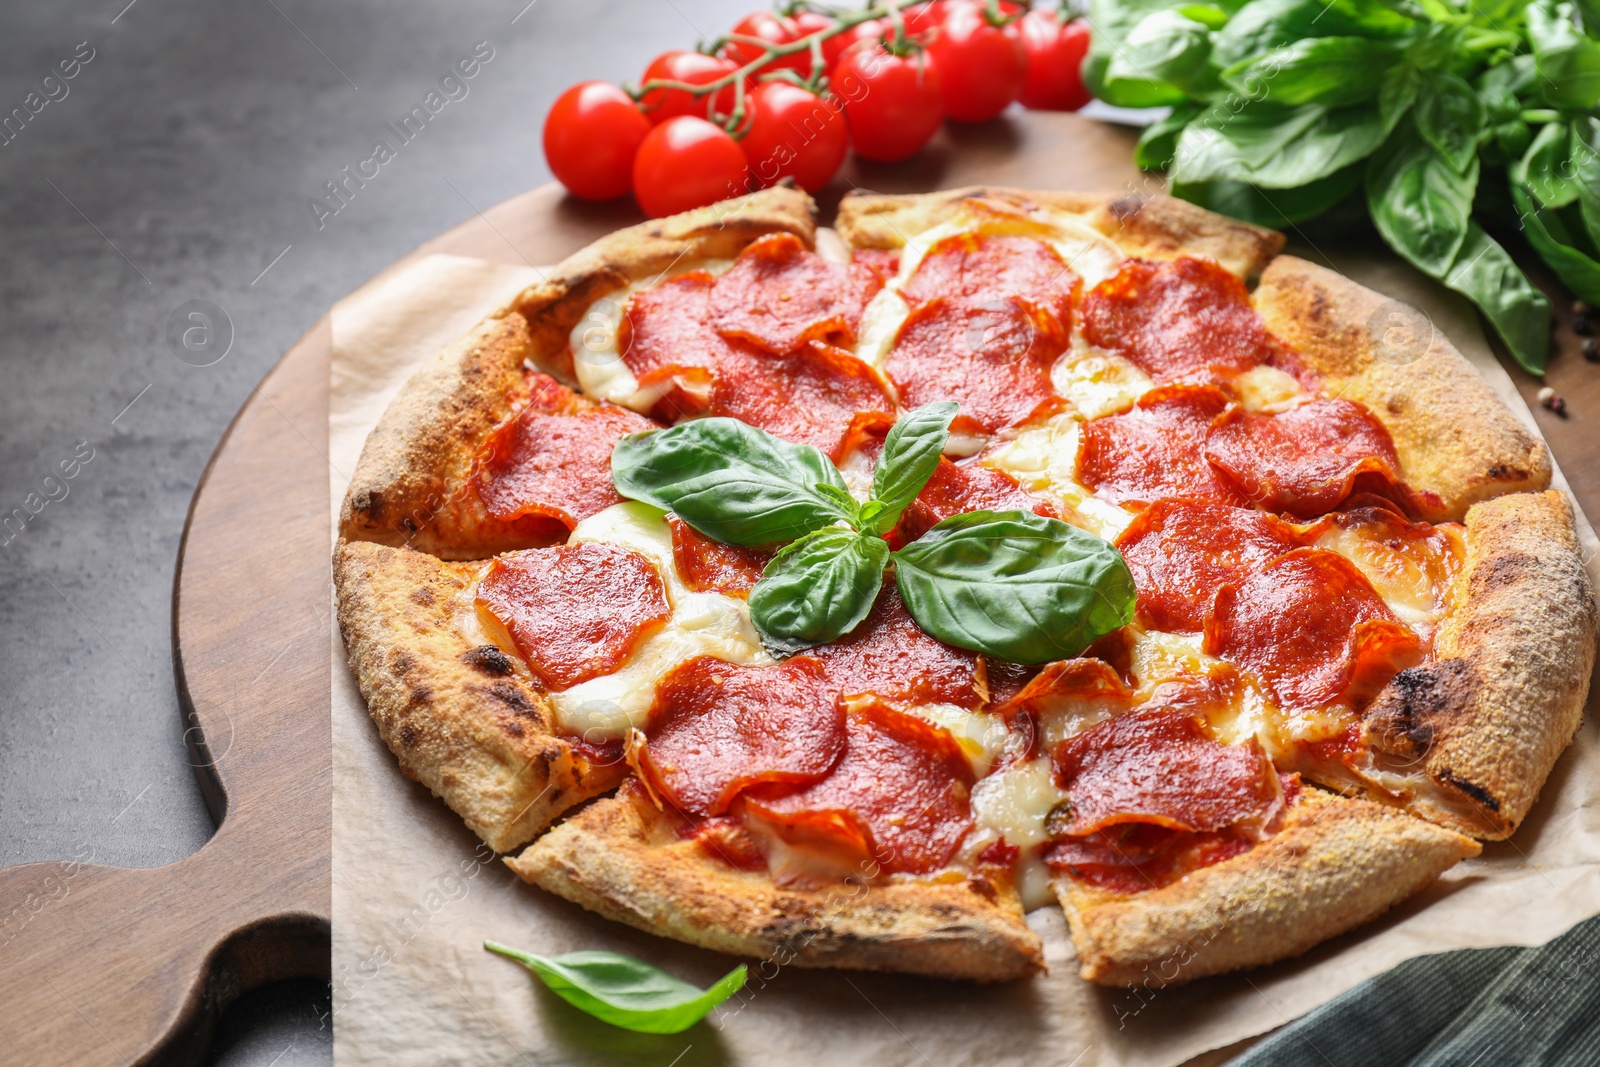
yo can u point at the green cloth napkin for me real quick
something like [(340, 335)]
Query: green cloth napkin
[(1470, 1008)]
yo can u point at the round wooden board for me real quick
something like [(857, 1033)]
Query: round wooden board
[(106, 965)]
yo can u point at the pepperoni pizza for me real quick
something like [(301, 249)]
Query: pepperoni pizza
[(1362, 636)]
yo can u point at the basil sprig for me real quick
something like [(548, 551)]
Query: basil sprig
[(626, 992), (1441, 121), (1010, 584)]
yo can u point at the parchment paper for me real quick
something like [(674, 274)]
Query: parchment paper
[(415, 893)]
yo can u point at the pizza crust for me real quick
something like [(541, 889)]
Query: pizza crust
[(411, 486), (1486, 721), (1152, 227), (620, 858), (462, 718), (1337, 863), (1453, 434)]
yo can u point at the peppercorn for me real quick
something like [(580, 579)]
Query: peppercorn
[(1591, 349), (1553, 400)]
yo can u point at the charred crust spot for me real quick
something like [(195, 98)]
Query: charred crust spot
[(1505, 472), (512, 727), (487, 659), (421, 696), (1503, 572), (1416, 703), (368, 502), (1471, 789), (422, 595), (407, 734), (1124, 208), (401, 662), (982, 887), (508, 694)]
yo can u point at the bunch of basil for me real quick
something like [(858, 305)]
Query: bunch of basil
[(1283, 110), (1011, 584)]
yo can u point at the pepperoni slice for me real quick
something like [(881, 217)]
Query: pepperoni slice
[(666, 329), (890, 655), (718, 727), (1306, 460), (1187, 319), (1159, 767), (778, 295), (899, 796), (1156, 449), (993, 357), (884, 262), (576, 611), (956, 488), (711, 566), (813, 396), (553, 458), (1136, 857), (1181, 551), (1312, 628), (978, 266)]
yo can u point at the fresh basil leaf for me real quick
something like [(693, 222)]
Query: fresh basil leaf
[(1262, 25), (1274, 147), (731, 481), (1210, 16), (1113, 21), (1014, 585), (1276, 208), (1420, 205), (1554, 243), (1159, 139), (626, 992), (1568, 63), (1589, 15), (819, 588), (1520, 314), (1449, 116), (1547, 169), (1164, 46), (1586, 150), (911, 454), (847, 503), (1332, 71)]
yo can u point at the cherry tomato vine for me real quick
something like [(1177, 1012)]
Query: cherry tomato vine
[(787, 92)]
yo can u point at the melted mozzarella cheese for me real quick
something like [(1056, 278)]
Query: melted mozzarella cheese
[(1156, 657), (880, 322), (1044, 459), (1266, 388), (593, 342), (1098, 382), (1403, 579), (1014, 803), (701, 624), (980, 737)]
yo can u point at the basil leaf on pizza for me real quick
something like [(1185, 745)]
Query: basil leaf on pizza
[(626, 992), (819, 588), (731, 481), (911, 453), (1014, 585)]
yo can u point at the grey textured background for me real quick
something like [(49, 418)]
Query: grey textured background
[(179, 167)]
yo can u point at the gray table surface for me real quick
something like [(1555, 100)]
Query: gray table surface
[(179, 166)]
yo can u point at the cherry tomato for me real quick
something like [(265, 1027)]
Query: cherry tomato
[(923, 19), (591, 136), (693, 67), (891, 103), (774, 29), (687, 163), (982, 68), (835, 46), (794, 133), (1055, 55)]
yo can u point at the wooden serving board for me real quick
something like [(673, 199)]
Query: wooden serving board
[(105, 965)]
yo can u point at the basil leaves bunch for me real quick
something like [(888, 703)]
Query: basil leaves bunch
[(624, 991), (1010, 584), (1284, 110)]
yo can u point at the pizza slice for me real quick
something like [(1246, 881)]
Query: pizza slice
[(485, 449)]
